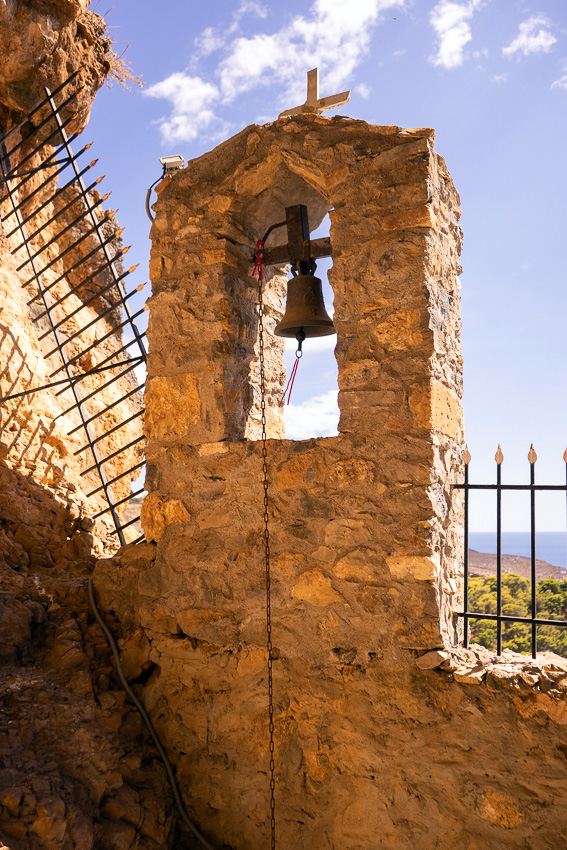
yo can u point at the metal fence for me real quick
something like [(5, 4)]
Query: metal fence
[(533, 621), (29, 214)]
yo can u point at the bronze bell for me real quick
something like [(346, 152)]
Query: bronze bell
[(305, 314)]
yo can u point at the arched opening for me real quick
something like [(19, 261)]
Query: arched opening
[(313, 411), (313, 408)]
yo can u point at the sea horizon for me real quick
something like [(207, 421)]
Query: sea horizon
[(551, 546)]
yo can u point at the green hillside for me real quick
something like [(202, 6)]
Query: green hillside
[(516, 599)]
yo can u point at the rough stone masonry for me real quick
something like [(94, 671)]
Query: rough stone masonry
[(386, 736)]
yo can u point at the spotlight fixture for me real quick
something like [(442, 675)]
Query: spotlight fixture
[(172, 163)]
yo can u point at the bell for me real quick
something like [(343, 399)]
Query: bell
[(305, 314)]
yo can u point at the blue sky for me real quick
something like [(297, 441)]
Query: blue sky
[(489, 75)]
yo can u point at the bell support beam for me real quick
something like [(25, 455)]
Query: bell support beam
[(299, 247), (282, 254)]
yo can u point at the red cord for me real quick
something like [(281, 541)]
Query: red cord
[(258, 263), (289, 384)]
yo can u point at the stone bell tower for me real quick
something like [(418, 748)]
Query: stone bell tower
[(363, 539)]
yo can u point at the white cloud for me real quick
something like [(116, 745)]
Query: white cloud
[(213, 39), (250, 7), (333, 35), (499, 78), (209, 41), (316, 417), (451, 22), (363, 90), (561, 83), (534, 36), (192, 100)]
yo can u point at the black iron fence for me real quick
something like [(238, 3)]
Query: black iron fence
[(533, 621), (29, 213)]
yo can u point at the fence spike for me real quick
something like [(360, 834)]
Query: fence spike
[(532, 456), (499, 457), (467, 455), (565, 455)]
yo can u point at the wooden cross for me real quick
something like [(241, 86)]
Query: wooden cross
[(314, 104)]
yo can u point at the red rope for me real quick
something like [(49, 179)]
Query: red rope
[(289, 384), (258, 263)]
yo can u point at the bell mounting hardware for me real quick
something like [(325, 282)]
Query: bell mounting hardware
[(305, 314)]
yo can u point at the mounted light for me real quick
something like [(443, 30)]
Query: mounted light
[(172, 163)]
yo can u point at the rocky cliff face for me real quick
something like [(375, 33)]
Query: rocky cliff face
[(75, 771)]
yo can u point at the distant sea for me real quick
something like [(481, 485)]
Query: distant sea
[(551, 546)]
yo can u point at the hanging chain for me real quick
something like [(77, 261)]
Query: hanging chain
[(258, 267)]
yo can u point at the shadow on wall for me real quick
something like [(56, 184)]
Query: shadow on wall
[(27, 443)]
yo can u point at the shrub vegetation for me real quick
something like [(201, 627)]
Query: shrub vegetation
[(551, 604)]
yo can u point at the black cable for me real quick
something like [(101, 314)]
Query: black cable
[(149, 192), (147, 720)]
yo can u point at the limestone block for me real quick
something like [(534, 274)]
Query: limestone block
[(437, 408), (157, 513), (358, 565), (418, 567), (172, 406), (469, 677), (315, 587), (431, 660)]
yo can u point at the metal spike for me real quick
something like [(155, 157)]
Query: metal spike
[(48, 200), (43, 103), (76, 265), (106, 197), (41, 124), (77, 333), (565, 455), (97, 342), (121, 502), (101, 412), (53, 217), (532, 456), (55, 259), (466, 456), (499, 457), (72, 291)]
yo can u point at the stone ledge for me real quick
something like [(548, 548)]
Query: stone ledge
[(545, 674)]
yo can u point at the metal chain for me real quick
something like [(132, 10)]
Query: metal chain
[(266, 547)]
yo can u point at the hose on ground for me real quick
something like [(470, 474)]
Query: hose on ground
[(147, 720)]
